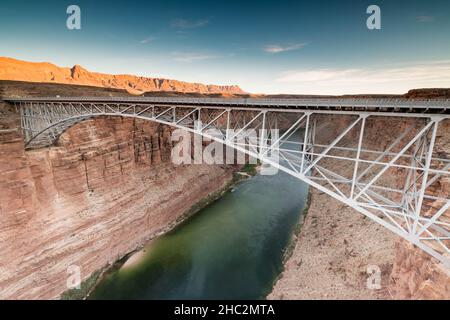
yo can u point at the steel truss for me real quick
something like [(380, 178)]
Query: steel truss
[(398, 176)]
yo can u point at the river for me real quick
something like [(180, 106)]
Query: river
[(231, 249)]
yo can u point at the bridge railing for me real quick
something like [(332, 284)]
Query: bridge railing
[(376, 104)]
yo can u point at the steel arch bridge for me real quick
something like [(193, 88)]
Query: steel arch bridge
[(387, 158)]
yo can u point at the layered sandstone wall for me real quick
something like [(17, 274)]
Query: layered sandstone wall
[(104, 190), (416, 275)]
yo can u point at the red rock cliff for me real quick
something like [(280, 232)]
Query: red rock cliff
[(106, 188), (12, 69)]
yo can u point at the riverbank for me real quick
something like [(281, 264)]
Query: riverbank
[(232, 249), (332, 253), (136, 256)]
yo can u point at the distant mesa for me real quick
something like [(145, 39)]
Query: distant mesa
[(17, 70), (44, 72), (428, 93)]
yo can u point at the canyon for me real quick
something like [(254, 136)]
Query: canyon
[(108, 186)]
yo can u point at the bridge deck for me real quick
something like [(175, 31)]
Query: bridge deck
[(338, 104)]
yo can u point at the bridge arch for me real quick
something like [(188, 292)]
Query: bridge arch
[(43, 124)]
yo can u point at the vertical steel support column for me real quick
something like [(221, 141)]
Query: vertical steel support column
[(227, 132), (22, 122), (406, 198), (313, 139), (262, 143), (198, 126), (358, 154), (305, 141), (426, 172)]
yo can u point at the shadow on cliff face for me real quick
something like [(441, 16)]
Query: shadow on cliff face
[(108, 187)]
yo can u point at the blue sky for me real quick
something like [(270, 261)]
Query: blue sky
[(321, 47)]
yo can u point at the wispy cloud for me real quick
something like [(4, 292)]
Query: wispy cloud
[(426, 72), (383, 80), (319, 75), (147, 40), (192, 57), (188, 24), (274, 48), (424, 18)]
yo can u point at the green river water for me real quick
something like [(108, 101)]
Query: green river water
[(232, 249)]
